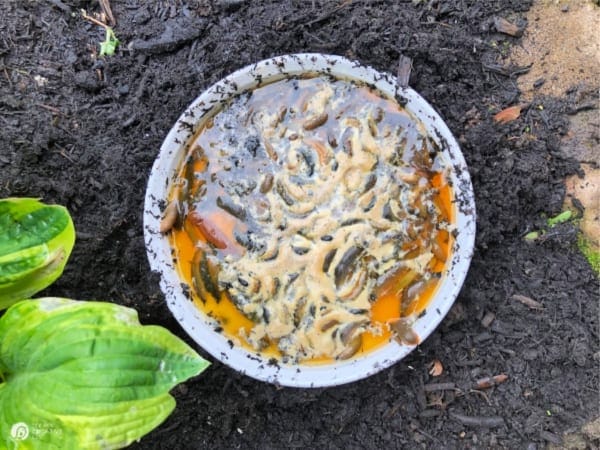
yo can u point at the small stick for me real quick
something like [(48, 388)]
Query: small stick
[(432, 387), (435, 22), (93, 20), (418, 430), (52, 109), (478, 421), (105, 5), (7, 77), (483, 394), (64, 155), (527, 301), (488, 382)]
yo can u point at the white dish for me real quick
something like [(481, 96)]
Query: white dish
[(160, 254)]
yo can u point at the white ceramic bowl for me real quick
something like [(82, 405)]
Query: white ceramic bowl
[(200, 327)]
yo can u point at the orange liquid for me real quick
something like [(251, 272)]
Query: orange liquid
[(383, 310)]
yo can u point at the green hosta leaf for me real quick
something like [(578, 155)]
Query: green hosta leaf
[(85, 375), (35, 243)]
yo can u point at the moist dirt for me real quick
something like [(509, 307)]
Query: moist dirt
[(83, 131)]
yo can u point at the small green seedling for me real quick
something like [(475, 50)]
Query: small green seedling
[(35, 243), (532, 235), (563, 217), (109, 45)]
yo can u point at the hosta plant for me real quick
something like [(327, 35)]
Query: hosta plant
[(35, 243), (85, 375)]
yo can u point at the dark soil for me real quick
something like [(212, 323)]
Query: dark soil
[(83, 132)]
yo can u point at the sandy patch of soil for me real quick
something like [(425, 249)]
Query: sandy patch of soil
[(562, 45), (587, 191)]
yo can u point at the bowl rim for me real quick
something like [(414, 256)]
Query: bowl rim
[(177, 294)]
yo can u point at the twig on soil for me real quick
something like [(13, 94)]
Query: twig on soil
[(527, 301), (427, 435), (63, 153), (105, 5), (95, 21), (495, 68), (481, 393), (10, 84), (478, 421), (432, 387), (435, 22), (52, 109), (520, 71)]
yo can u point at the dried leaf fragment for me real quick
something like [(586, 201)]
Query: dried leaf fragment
[(504, 26), (436, 368), (509, 114)]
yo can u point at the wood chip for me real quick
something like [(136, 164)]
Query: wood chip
[(504, 26), (527, 301), (488, 318), (488, 382), (436, 368)]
